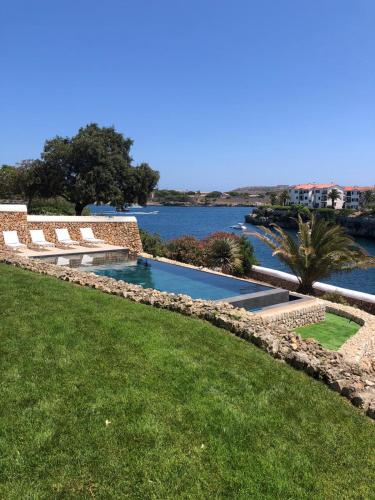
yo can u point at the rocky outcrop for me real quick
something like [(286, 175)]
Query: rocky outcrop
[(276, 339), (355, 225), (363, 226)]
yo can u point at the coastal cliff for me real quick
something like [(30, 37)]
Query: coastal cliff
[(356, 225)]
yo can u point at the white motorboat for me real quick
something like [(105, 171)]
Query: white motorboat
[(240, 226)]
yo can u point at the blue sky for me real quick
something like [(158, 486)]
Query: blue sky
[(216, 94)]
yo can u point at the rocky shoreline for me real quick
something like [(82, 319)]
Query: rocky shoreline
[(356, 225)]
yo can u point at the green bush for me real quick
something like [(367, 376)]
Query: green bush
[(153, 243), (247, 255), (224, 253), (54, 206), (232, 253), (244, 248)]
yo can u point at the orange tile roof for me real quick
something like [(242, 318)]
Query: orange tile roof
[(359, 188), (314, 186)]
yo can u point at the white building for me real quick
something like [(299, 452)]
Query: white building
[(315, 195), (354, 195)]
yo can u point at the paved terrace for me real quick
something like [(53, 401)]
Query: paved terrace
[(77, 249)]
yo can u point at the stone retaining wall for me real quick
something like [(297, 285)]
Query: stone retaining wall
[(359, 349), (277, 340), (311, 312), (123, 233), (13, 219), (119, 231)]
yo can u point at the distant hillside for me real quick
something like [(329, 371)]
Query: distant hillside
[(261, 189)]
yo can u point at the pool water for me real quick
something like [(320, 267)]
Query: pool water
[(177, 279), (161, 276)]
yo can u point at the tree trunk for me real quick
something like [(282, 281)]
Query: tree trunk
[(78, 208), (306, 289)]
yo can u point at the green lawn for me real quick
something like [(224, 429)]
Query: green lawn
[(194, 412), (331, 333)]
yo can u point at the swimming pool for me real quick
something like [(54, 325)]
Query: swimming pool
[(162, 276)]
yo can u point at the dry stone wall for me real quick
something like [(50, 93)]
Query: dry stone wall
[(119, 231), (124, 234), (13, 221), (277, 340), (360, 348), (307, 314)]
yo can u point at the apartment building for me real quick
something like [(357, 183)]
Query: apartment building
[(354, 195), (315, 195)]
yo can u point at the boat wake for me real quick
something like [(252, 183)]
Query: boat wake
[(116, 214)]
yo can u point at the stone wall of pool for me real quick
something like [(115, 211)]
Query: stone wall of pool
[(276, 339)]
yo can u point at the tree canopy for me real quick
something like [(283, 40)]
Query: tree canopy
[(93, 166)]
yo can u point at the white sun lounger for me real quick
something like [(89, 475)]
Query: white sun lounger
[(63, 237), (38, 239), (88, 236), (11, 240)]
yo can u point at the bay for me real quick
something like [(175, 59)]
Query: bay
[(171, 222)]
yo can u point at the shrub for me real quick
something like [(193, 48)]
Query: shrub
[(245, 249), (54, 206), (225, 254), (231, 253), (186, 249), (153, 243), (247, 256)]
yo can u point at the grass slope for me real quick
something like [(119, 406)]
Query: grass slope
[(194, 412), (331, 333)]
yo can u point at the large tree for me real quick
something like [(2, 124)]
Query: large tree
[(147, 180), (319, 250), (86, 167), (9, 187), (34, 180)]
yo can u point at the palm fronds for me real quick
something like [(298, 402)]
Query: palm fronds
[(319, 250)]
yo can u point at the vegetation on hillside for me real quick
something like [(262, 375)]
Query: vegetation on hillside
[(228, 252), (104, 398)]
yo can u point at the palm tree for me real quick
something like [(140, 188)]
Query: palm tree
[(224, 253), (284, 197), (319, 250), (368, 198), (334, 195), (273, 198)]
